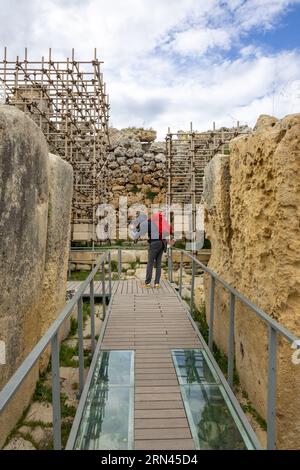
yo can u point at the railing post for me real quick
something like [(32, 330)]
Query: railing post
[(180, 273), (80, 345), (271, 412), (211, 312), (192, 286), (109, 272), (231, 341), (92, 307), (119, 262), (103, 289), (170, 265), (56, 392)]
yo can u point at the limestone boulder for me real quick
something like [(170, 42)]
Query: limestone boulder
[(52, 298), (135, 178), (24, 190), (252, 219), (128, 256), (136, 168)]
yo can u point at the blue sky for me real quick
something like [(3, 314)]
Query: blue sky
[(169, 62), (285, 35)]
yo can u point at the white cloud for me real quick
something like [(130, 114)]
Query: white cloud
[(199, 41), (166, 63)]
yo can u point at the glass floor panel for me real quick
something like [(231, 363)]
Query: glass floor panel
[(212, 418), (192, 367), (107, 419)]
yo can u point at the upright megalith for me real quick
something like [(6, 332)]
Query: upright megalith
[(53, 292), (35, 216), (253, 221), (24, 167)]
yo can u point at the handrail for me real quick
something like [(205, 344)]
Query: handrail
[(264, 316), (274, 328), (51, 336)]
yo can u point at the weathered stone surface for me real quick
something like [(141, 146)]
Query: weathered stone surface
[(19, 443), (35, 197), (136, 168), (264, 121), (39, 435), (23, 231), (39, 411), (135, 178), (130, 162), (144, 256), (140, 273), (128, 256), (53, 292), (254, 230)]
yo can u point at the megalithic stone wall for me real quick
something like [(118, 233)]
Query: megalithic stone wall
[(137, 170), (35, 208), (253, 220)]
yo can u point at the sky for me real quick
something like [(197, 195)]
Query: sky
[(171, 62)]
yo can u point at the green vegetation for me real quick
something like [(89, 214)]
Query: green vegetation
[(180, 244), (82, 275), (222, 361), (73, 327), (207, 244), (42, 392), (248, 408), (221, 358), (133, 264), (150, 195), (65, 431), (134, 189), (114, 266), (66, 356)]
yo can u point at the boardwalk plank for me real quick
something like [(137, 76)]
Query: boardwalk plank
[(153, 322)]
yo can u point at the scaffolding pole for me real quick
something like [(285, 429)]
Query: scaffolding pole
[(67, 99), (187, 156)]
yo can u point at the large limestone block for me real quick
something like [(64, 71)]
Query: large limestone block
[(217, 207), (53, 294), (261, 247), (24, 168), (23, 231), (128, 256)]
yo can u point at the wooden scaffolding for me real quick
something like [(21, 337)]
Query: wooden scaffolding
[(187, 155), (67, 99)]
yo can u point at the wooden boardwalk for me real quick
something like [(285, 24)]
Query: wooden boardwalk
[(152, 322), (74, 286)]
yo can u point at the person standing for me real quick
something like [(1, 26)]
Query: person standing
[(158, 230)]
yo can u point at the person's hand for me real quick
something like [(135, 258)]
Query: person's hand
[(172, 242)]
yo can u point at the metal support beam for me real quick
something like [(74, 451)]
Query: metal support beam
[(271, 412), (230, 369), (56, 393), (211, 313), (80, 344)]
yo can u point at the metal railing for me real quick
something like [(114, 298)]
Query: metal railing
[(274, 329), (51, 337)]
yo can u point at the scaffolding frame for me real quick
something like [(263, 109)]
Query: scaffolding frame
[(67, 99), (188, 153)]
